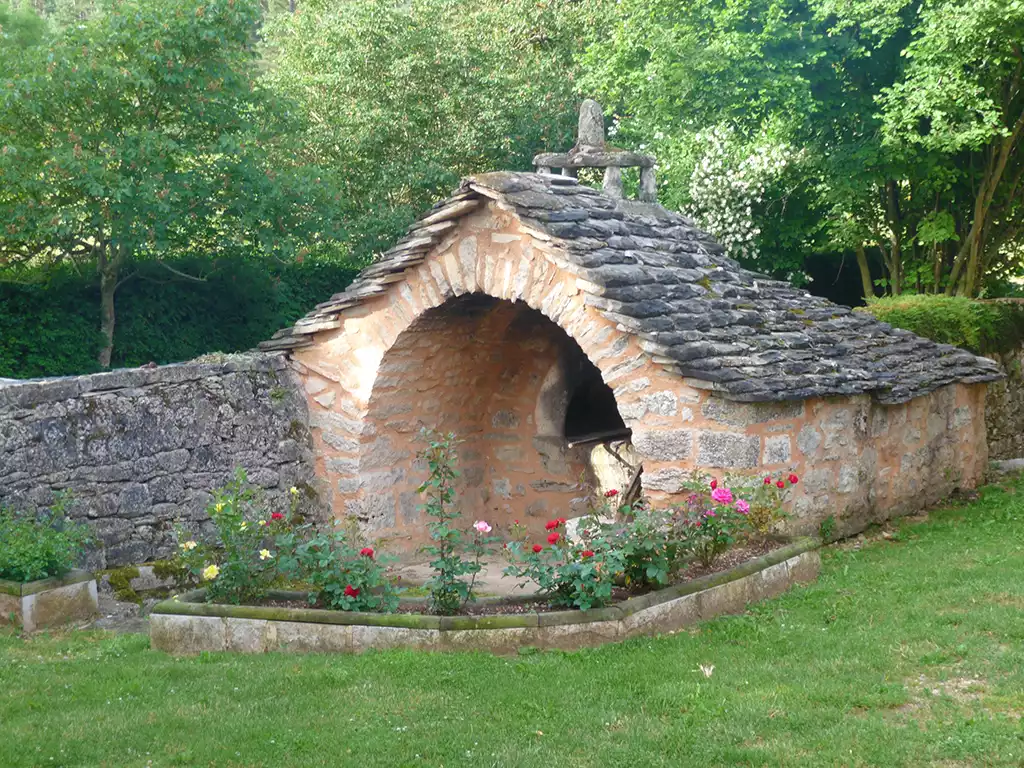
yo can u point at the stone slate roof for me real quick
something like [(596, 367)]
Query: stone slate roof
[(696, 311)]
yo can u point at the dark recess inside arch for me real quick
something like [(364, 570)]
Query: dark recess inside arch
[(592, 409)]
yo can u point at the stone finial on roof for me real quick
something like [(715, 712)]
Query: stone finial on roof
[(591, 151), (591, 127)]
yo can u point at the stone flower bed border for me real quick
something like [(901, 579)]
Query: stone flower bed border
[(49, 602), (186, 625)]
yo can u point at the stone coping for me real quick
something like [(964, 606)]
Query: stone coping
[(191, 604), (23, 589), (18, 393)]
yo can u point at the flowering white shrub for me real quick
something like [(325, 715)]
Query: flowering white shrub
[(729, 182)]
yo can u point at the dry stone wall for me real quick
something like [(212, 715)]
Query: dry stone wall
[(140, 449), (1004, 408)]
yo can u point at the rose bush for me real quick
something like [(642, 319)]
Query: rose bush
[(764, 511), (345, 573), (568, 574), (237, 564)]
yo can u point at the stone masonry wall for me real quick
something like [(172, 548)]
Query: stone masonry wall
[(861, 461), (1004, 408), (140, 449), (857, 460)]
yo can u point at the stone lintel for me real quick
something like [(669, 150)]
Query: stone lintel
[(606, 158)]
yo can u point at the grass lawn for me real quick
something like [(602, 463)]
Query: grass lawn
[(907, 652)]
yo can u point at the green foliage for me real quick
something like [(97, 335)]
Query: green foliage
[(40, 546), (121, 583), (710, 520), (171, 569), (48, 327), (237, 565), (448, 589), (145, 131), (643, 536), (571, 574), (905, 122), (20, 27), (765, 511), (827, 528), (404, 98), (921, 665), (983, 327), (346, 574)]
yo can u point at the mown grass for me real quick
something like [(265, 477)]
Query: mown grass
[(907, 652)]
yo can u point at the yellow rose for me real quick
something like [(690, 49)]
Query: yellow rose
[(263, 522), (293, 491), (188, 546), (211, 572), (265, 554)]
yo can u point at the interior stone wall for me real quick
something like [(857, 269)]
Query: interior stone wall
[(1004, 408), (497, 375), (140, 449)]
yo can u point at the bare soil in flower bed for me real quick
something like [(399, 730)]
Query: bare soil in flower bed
[(529, 603)]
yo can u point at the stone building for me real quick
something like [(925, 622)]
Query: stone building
[(560, 330)]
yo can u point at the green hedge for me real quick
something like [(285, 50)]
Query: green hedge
[(984, 327), (49, 324)]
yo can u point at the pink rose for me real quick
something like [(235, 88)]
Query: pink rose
[(722, 495), (482, 526), (742, 507)]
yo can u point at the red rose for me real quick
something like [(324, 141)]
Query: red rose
[(588, 553), (367, 552), (553, 538), (714, 483), (277, 516), (550, 524), (793, 479), (781, 484), (351, 591), (537, 547), (767, 481), (561, 521), (611, 493)]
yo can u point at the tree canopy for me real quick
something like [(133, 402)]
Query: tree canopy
[(145, 130), (895, 126), (885, 134)]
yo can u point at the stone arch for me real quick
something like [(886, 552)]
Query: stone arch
[(489, 260)]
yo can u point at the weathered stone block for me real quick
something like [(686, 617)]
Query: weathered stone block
[(669, 480), (664, 403), (187, 635), (48, 603), (777, 450), (728, 450), (744, 414), (663, 445), (808, 440)]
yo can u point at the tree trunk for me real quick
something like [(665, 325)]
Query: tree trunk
[(892, 215), (973, 249), (865, 273), (108, 264)]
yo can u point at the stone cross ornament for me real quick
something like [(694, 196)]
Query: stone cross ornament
[(592, 151)]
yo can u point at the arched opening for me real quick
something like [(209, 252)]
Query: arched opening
[(592, 411), (513, 386)]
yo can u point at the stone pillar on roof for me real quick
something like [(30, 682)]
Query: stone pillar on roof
[(593, 151)]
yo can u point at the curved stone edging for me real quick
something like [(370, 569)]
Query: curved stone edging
[(182, 626)]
